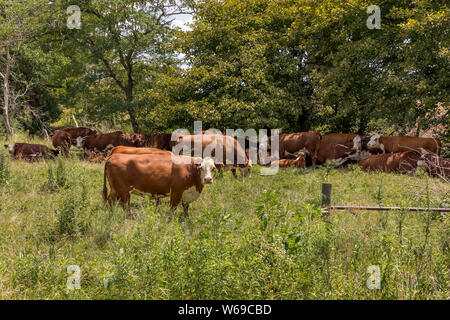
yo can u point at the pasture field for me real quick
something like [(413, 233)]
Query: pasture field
[(257, 238)]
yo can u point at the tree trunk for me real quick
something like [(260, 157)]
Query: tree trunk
[(9, 129), (130, 110)]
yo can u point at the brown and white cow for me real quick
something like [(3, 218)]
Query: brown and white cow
[(336, 154), (300, 162), (157, 175), (78, 132), (31, 152), (391, 144), (229, 151), (62, 141), (307, 143), (400, 162), (99, 143), (349, 140)]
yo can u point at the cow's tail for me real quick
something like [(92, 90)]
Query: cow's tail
[(105, 188)]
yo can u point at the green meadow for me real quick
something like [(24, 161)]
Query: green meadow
[(257, 238)]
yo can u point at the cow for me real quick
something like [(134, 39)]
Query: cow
[(161, 141), (400, 162), (436, 166), (133, 150), (233, 156), (62, 141), (349, 140), (137, 140), (78, 132), (31, 152), (157, 175), (392, 144), (99, 143), (300, 162), (96, 158), (337, 154), (307, 143)]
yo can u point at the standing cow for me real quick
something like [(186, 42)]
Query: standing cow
[(404, 143), (181, 177), (349, 140), (62, 141), (99, 143), (301, 142), (222, 148)]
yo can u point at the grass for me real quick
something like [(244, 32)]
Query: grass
[(257, 238)]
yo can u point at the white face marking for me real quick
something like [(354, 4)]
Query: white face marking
[(11, 147), (360, 155), (80, 142), (207, 168), (374, 142), (357, 143), (421, 163), (190, 195)]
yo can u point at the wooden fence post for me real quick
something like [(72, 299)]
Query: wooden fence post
[(326, 197)]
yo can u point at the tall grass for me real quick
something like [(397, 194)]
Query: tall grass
[(257, 238)]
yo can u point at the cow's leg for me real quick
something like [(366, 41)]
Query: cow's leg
[(233, 170), (175, 198)]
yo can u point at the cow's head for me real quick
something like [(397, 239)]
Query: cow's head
[(246, 171), (10, 147), (79, 142), (357, 143), (374, 142), (207, 168)]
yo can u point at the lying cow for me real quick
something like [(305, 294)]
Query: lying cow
[(31, 152), (99, 143), (301, 142), (181, 177), (401, 162), (233, 155), (394, 144), (336, 154), (62, 141), (300, 162), (96, 158)]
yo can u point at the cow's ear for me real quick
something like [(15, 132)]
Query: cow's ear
[(5, 145)]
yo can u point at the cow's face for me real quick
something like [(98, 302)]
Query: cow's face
[(10, 147), (80, 142), (207, 168), (246, 171), (357, 143), (374, 142)]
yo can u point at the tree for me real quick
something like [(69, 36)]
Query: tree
[(115, 51)]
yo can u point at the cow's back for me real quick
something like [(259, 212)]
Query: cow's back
[(146, 173)]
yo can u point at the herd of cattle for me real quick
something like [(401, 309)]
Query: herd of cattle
[(144, 164)]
